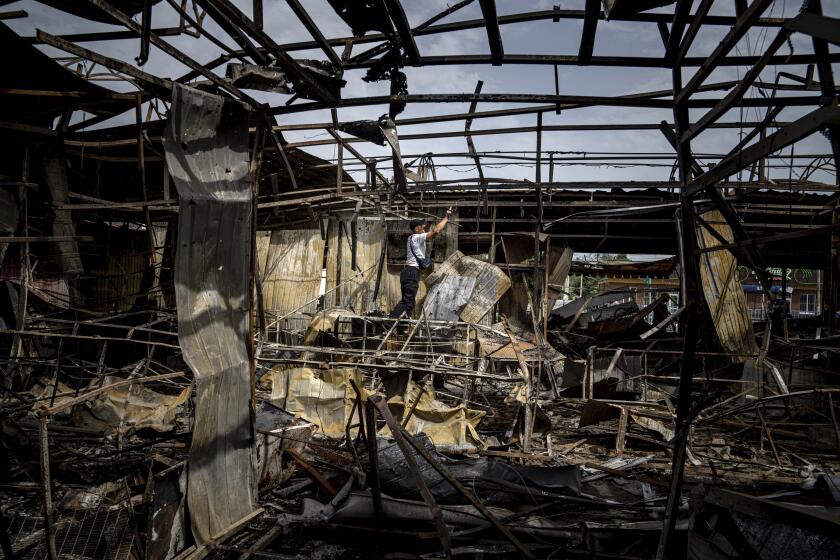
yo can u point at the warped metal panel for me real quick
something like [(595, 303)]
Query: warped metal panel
[(206, 142), (291, 270), (356, 285), (490, 283), (723, 292)]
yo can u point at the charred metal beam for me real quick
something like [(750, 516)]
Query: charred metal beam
[(470, 143), (827, 87), (691, 34), (383, 47), (494, 34), (738, 92), (753, 259), (618, 61), (590, 26), (313, 29), (290, 65), (395, 10), (258, 13), (691, 297), (162, 86), (112, 35), (555, 15), (145, 31), (232, 29), (743, 24), (172, 51), (817, 26), (566, 101), (681, 14), (785, 136), (569, 60)]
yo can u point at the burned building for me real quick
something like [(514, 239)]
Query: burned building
[(205, 210)]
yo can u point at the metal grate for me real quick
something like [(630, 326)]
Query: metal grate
[(97, 534)]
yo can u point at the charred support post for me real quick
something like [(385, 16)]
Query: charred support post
[(403, 439), (829, 98), (396, 431), (691, 300), (46, 487), (681, 14), (693, 28)]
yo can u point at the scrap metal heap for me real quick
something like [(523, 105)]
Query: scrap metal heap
[(197, 359)]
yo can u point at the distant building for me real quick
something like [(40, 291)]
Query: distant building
[(650, 279)]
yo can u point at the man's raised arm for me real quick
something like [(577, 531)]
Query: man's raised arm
[(440, 225)]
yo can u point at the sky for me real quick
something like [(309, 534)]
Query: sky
[(545, 37)]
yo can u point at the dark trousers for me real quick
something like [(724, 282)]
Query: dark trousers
[(409, 282)]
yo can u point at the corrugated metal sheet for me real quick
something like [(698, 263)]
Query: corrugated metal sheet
[(55, 176), (206, 142), (117, 287), (723, 292), (490, 283), (356, 293), (290, 264), (559, 262)]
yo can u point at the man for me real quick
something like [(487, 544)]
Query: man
[(415, 252)]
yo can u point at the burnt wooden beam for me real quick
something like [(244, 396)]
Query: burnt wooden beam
[(797, 130), (742, 25), (590, 26), (494, 34), (314, 30), (395, 10)]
